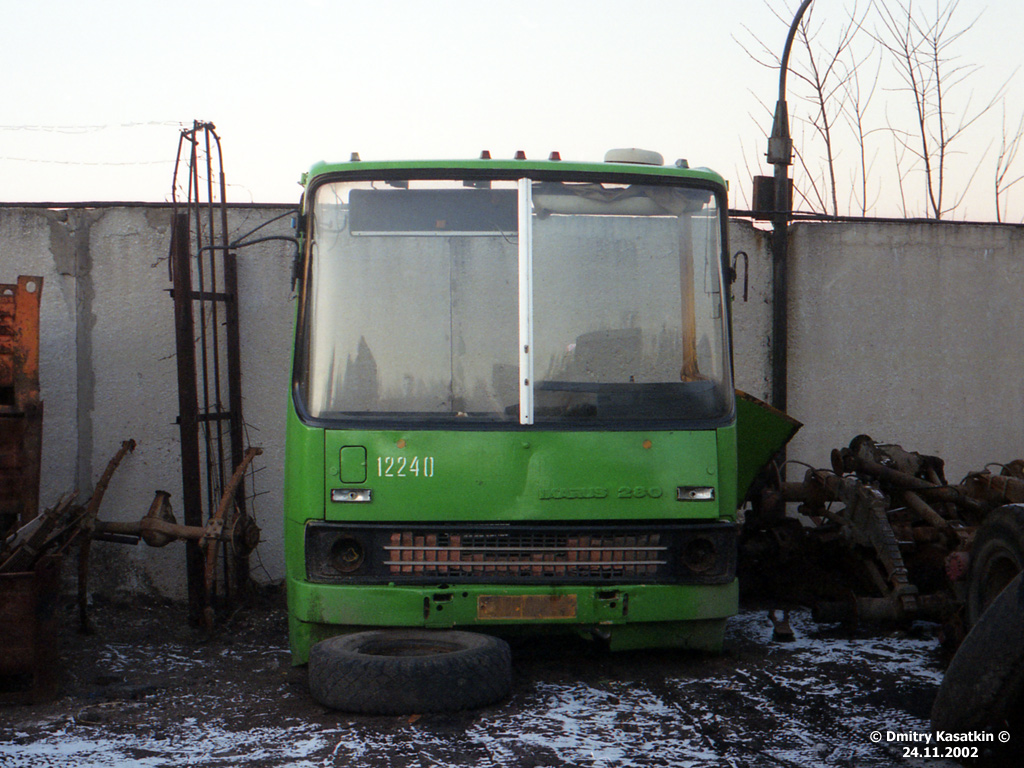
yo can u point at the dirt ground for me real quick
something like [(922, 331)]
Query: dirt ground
[(148, 690)]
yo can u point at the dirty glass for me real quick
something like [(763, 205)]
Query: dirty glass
[(413, 309), (628, 315)]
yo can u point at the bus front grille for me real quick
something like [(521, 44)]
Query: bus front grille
[(525, 554), (702, 552)]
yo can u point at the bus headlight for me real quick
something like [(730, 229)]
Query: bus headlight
[(347, 554), (334, 553), (699, 554)]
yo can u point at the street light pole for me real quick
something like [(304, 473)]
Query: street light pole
[(780, 154)]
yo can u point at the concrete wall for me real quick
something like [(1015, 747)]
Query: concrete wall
[(908, 332), (108, 369)]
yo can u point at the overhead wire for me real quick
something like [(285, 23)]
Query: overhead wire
[(73, 130)]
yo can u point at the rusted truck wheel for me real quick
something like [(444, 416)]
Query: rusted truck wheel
[(983, 688), (997, 556), (397, 672)]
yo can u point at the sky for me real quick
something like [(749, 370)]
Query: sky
[(95, 94)]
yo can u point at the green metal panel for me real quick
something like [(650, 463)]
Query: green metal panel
[(633, 612), (352, 464), (508, 476), (303, 488), (761, 432), (516, 166), (726, 480)]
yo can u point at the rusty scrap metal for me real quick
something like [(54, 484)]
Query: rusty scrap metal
[(21, 411), (28, 632), (886, 537), (203, 268), (782, 631), (87, 524), (995, 489), (898, 470), (51, 533), (158, 527), (216, 527), (30, 543)]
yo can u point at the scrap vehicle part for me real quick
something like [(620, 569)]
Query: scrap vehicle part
[(884, 537), (215, 528), (865, 524), (228, 524), (898, 471), (32, 541), (87, 525), (782, 631), (997, 556), (21, 411), (51, 533), (1004, 488)]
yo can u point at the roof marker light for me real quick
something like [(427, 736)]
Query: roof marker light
[(520, 154), (355, 157), (555, 156), (485, 155)]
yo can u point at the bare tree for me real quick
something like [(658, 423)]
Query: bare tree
[(920, 46), (929, 110), (819, 76), (855, 111), (1008, 148), (899, 153), (823, 74)]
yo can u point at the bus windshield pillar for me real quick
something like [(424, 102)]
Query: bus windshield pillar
[(525, 302)]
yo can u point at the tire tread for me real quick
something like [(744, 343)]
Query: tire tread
[(342, 677)]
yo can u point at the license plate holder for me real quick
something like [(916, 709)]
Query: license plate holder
[(525, 607)]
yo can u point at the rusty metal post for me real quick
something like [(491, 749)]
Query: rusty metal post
[(188, 405), (210, 393), (239, 563), (780, 155)]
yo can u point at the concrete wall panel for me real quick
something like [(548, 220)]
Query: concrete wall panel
[(908, 332), (752, 319), (34, 242)]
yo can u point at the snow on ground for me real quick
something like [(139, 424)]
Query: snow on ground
[(811, 702)]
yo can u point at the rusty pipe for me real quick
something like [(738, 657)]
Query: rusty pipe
[(883, 610), (1005, 486), (153, 525), (905, 482), (921, 507)]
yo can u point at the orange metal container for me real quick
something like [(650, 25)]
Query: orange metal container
[(21, 412)]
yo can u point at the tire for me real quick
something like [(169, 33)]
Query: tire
[(983, 685), (400, 672), (997, 556)]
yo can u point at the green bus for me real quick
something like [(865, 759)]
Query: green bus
[(512, 406)]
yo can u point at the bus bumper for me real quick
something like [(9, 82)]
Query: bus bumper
[(626, 617)]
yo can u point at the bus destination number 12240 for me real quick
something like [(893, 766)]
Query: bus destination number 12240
[(405, 466)]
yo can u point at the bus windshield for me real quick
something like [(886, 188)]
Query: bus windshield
[(423, 296)]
